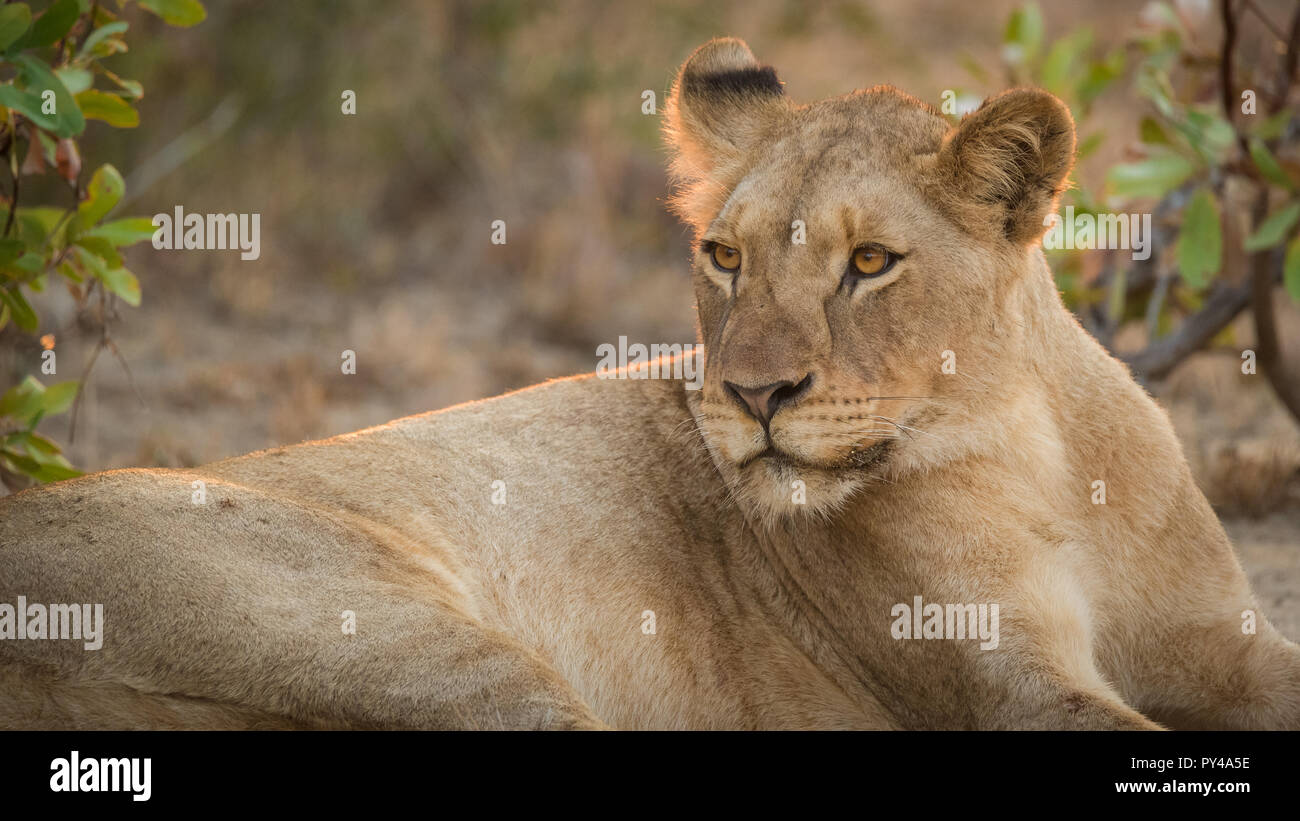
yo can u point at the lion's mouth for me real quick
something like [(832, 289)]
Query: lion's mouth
[(775, 457), (782, 460)]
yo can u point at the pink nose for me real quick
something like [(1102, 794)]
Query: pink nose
[(762, 403)]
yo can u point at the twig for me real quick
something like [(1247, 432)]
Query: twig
[(13, 203), (1160, 357), (1268, 350), (1228, 84), (1250, 4), (181, 149), (1263, 262), (85, 374)]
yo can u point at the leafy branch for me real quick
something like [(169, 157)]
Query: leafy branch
[(53, 60), (1221, 140)]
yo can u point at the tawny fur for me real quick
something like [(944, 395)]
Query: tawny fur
[(628, 496)]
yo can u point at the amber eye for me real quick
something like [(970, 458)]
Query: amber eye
[(872, 261), (726, 258)]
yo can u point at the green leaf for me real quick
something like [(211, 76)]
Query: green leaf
[(1088, 145), (1058, 67), (1268, 166), (1274, 229), (99, 34), (27, 104), (117, 280), (76, 80), (1210, 130), (123, 283), (33, 454), (1200, 240), (132, 88), (124, 231), (177, 12), (101, 248), (25, 267), (39, 444), (1154, 85), (1118, 292), (1274, 126), (67, 270), (104, 191), (112, 109), (35, 225), (67, 119), (1153, 177), (51, 26), (1024, 34), (1291, 269), (54, 473), (23, 401), (10, 250), (1151, 132), (1100, 75), (59, 397), (23, 315), (15, 19), (19, 463)]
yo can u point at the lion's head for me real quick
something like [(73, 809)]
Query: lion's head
[(846, 252)]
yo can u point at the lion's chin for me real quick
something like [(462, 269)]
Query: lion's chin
[(775, 487)]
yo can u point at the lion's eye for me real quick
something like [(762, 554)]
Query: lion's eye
[(872, 261), (726, 258)]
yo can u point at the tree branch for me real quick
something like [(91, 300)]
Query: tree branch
[(1269, 353), (1160, 357)]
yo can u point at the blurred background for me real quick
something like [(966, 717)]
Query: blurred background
[(375, 226)]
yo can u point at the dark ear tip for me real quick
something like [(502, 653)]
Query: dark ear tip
[(759, 80), (725, 66)]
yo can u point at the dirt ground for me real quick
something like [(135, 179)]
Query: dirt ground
[(1268, 549)]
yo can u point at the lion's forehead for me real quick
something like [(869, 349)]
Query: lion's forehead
[(881, 127), (828, 202), (835, 164)]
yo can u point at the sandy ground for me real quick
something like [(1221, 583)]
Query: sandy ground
[(1270, 551)]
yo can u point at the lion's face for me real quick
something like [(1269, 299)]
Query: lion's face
[(848, 252)]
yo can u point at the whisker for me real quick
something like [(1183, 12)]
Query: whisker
[(905, 428)]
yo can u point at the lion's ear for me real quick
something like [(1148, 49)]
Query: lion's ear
[(1008, 161), (720, 104)]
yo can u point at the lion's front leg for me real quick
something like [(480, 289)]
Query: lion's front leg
[(1044, 672), (1045, 689), (1232, 673), (1195, 652)]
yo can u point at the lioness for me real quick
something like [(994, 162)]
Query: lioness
[(897, 412)]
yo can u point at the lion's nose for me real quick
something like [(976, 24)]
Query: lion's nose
[(762, 403)]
